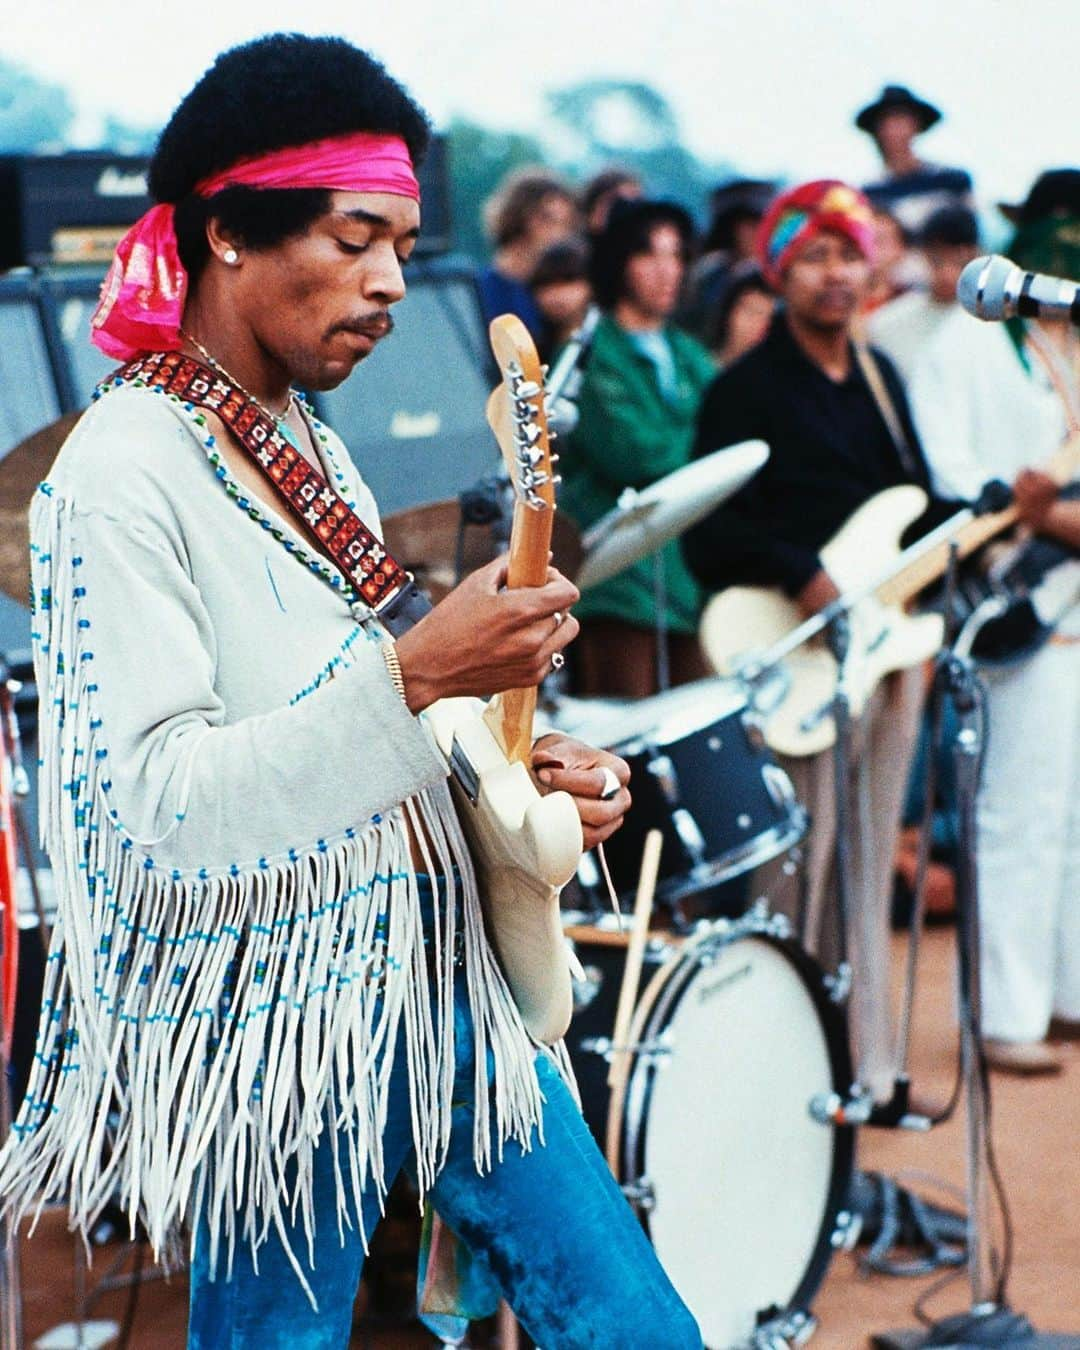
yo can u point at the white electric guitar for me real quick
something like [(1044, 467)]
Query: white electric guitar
[(745, 627), (526, 846)]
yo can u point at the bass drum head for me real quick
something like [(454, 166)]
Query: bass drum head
[(746, 1186)]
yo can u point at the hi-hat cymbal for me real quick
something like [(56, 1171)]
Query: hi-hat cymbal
[(644, 521), (21, 470)]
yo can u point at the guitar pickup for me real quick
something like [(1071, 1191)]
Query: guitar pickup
[(461, 766)]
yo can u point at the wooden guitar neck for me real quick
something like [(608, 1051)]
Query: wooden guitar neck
[(517, 416), (929, 566)]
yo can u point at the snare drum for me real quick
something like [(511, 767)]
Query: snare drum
[(702, 775), (714, 1137)]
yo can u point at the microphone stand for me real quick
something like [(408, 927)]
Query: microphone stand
[(989, 1321)]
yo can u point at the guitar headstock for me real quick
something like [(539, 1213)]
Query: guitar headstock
[(517, 414)]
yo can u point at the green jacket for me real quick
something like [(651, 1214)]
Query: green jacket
[(628, 435)]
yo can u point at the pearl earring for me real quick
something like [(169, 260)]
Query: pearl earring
[(231, 256)]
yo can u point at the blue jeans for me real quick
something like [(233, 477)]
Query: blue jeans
[(552, 1225)]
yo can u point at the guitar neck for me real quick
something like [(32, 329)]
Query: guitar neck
[(510, 714), (928, 566), (517, 415)]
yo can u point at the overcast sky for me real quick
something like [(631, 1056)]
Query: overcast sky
[(770, 84)]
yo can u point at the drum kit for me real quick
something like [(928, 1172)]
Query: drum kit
[(715, 1134)]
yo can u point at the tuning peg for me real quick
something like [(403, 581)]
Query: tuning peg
[(526, 389), (528, 432)]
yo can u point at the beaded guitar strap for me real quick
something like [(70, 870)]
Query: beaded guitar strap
[(376, 577)]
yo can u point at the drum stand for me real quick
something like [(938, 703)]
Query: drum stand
[(989, 1321), (857, 1107)]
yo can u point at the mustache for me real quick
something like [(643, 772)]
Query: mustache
[(375, 326)]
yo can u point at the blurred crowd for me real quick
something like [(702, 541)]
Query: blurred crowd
[(822, 319)]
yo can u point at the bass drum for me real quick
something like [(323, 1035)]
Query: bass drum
[(712, 1133)]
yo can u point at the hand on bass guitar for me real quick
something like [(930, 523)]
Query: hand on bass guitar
[(1040, 505)]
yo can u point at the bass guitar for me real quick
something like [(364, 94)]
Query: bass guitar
[(756, 628), (525, 845)]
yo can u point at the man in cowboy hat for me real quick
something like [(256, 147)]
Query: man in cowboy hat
[(911, 188)]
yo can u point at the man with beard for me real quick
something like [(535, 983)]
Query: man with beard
[(809, 392)]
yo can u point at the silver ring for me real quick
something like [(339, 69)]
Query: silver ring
[(611, 785), (557, 660), (558, 617)]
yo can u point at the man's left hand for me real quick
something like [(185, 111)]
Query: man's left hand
[(565, 765)]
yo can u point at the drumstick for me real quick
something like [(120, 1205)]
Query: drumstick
[(635, 951)]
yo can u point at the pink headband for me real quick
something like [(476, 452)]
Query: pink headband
[(142, 297)]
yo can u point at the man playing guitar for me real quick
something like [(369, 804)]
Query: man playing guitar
[(839, 432), (271, 988)]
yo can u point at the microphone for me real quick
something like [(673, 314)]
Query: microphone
[(995, 288), (564, 379)]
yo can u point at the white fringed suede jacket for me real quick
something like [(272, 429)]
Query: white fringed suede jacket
[(227, 774)]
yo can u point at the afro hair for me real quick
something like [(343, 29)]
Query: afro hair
[(280, 90)]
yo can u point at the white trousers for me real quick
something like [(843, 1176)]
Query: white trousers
[(883, 742), (1029, 846)]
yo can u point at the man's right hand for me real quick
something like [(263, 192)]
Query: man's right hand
[(818, 592), (482, 637)]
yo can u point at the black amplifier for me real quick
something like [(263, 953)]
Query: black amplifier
[(68, 208), (74, 208)]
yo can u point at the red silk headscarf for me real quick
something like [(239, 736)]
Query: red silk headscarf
[(796, 216), (142, 296)]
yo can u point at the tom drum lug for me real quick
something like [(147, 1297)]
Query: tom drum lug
[(641, 1194), (663, 770), (838, 984), (690, 836)]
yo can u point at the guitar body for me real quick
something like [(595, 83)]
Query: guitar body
[(1040, 583), (525, 847), (743, 620)]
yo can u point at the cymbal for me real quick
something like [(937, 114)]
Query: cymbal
[(424, 539), (21, 470), (644, 521)]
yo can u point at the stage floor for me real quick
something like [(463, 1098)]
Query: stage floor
[(1035, 1130)]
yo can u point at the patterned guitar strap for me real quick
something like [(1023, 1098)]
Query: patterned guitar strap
[(375, 577)]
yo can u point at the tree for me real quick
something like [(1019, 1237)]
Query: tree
[(34, 115), (601, 122), (479, 158)]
